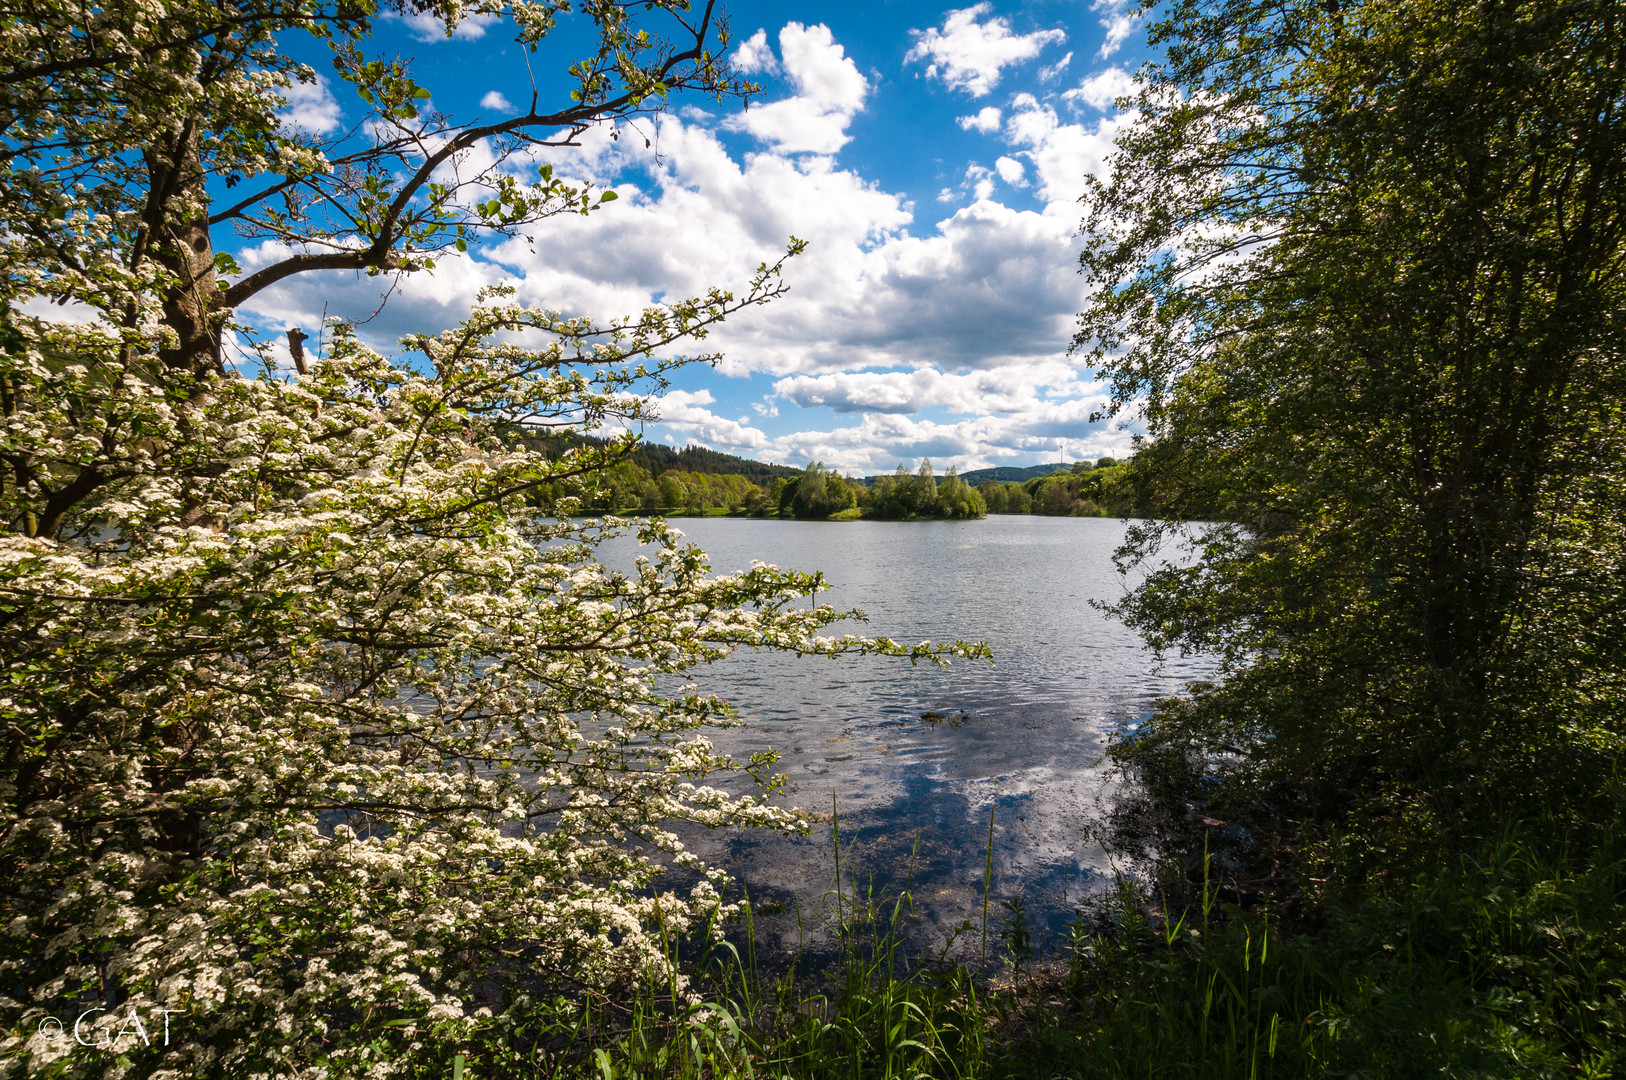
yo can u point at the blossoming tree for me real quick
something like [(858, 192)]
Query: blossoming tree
[(318, 736)]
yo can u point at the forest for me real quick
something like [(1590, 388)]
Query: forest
[(1098, 489), (631, 485)]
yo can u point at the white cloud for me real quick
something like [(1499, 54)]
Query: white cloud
[(980, 180), (927, 332), (1047, 429), (1048, 73), (1002, 390), (873, 290), (684, 412), (1118, 25), (311, 107), (1101, 88), (426, 26), (1061, 154), (496, 102), (754, 54), (416, 303), (54, 311), (984, 120), (968, 55), (829, 92)]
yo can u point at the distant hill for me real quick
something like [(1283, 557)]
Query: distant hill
[(1002, 473), (655, 459), (1007, 474)]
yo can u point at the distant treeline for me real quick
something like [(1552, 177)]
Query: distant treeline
[(903, 496), (1006, 474), (655, 459), (629, 487), (1003, 473), (813, 493), (695, 480), (1099, 489)]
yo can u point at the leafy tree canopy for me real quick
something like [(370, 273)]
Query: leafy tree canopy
[(1361, 266)]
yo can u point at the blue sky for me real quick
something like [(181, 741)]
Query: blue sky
[(931, 156)]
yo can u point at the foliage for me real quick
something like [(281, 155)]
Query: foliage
[(316, 735), (1359, 265), (655, 459), (818, 493), (1362, 263), (705, 461), (119, 118), (1082, 491), (1006, 498), (626, 486), (1004, 474), (904, 496), (1509, 963), (705, 491)]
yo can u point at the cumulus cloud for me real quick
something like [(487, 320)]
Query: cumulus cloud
[(979, 180), (879, 441), (969, 55), (924, 331), (386, 308), (311, 107), (496, 102), (983, 120), (754, 54), (829, 92), (1118, 24), (1101, 89), (1053, 70), (1061, 154), (427, 26), (684, 411), (874, 289), (1002, 390)]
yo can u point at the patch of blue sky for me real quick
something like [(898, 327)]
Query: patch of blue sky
[(931, 155)]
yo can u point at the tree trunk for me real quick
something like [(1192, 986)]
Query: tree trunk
[(177, 223)]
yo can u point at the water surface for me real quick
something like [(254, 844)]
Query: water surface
[(1021, 737)]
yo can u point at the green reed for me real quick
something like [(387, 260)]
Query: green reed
[(1509, 960)]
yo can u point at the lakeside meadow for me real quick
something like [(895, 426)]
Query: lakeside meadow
[(368, 713)]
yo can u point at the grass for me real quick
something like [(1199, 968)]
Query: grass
[(1508, 961)]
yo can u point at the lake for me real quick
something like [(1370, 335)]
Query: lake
[(1021, 737)]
